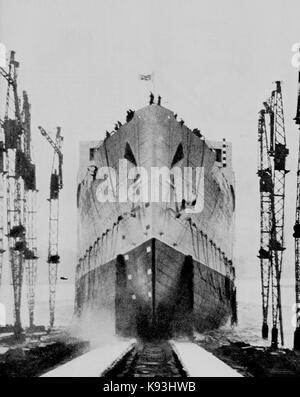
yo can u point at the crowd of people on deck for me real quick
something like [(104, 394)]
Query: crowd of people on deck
[(130, 115)]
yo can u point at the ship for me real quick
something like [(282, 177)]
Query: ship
[(155, 268)]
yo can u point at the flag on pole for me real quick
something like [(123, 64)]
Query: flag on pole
[(146, 77)]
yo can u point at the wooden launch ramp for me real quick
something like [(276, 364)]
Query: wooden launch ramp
[(132, 359)]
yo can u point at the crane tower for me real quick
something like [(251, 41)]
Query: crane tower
[(56, 184), (272, 172), (296, 234), (18, 186), (2, 200), (30, 253), (266, 189), (15, 187)]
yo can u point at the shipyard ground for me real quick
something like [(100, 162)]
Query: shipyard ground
[(37, 353), (59, 354), (251, 360), (155, 358)]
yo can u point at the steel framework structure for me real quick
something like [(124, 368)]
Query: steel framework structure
[(272, 211), (14, 189), (30, 254), (56, 184), (279, 152), (296, 234), (2, 210), (2, 198), (20, 182), (266, 190)]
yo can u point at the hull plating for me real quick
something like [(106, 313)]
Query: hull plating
[(151, 266)]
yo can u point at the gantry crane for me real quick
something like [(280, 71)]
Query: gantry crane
[(266, 190), (277, 152), (296, 234), (56, 184)]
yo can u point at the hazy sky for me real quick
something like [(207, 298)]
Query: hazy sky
[(214, 64)]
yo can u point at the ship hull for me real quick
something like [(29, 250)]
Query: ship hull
[(147, 265), (155, 291)]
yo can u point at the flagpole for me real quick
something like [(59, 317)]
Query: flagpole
[(149, 78), (153, 83)]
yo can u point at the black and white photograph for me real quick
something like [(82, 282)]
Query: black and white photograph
[(149, 191)]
